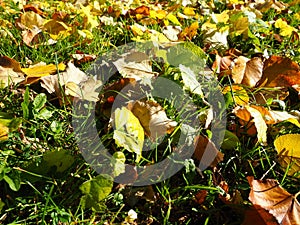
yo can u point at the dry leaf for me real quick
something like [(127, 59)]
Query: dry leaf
[(246, 114), (288, 149), (30, 20), (189, 32), (258, 216), (10, 72), (74, 82), (7, 62), (35, 72), (238, 93), (135, 65), (247, 71), (280, 72), (269, 195), (153, 118), (206, 152)]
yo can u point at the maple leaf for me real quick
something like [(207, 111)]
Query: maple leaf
[(269, 195)]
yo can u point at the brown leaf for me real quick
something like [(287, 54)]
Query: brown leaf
[(206, 152), (153, 118), (269, 195), (200, 197), (27, 8), (142, 10), (258, 216), (280, 72), (247, 71), (7, 62)]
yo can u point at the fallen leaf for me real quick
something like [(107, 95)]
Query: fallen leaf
[(30, 20), (288, 149), (200, 196), (190, 32), (35, 72), (128, 132), (206, 152), (10, 72), (190, 80), (4, 130), (171, 32), (135, 65), (279, 71), (269, 195), (246, 114), (94, 191), (57, 29), (153, 118), (247, 71), (258, 216), (237, 93), (7, 62)]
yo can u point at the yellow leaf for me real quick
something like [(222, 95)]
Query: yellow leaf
[(189, 11), (222, 17), (92, 21), (259, 123), (36, 72), (288, 149), (57, 29), (173, 19), (285, 29), (159, 14), (239, 94), (240, 26), (3, 132), (128, 132), (31, 19), (294, 121)]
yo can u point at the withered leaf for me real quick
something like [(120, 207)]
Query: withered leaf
[(269, 195)]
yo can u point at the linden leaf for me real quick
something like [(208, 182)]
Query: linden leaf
[(4, 130), (280, 72), (57, 29), (236, 94), (35, 72), (190, 80), (94, 191), (269, 195), (247, 71), (31, 19), (288, 150), (153, 118), (128, 132), (10, 72), (135, 65), (173, 19), (206, 152)]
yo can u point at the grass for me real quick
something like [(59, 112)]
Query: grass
[(37, 193)]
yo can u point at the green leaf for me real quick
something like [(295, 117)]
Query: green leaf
[(60, 159), (25, 104), (44, 114), (94, 191), (13, 180), (230, 141), (2, 204), (39, 102), (128, 133)]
